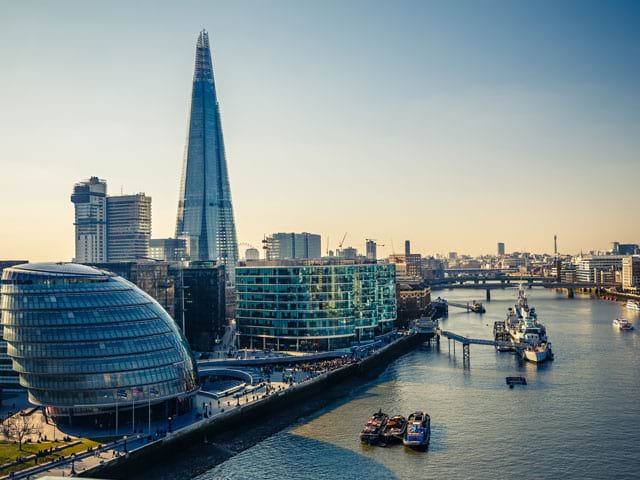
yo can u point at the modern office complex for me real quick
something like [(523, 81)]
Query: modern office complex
[(313, 304), (128, 227), (90, 200), (168, 249), (205, 212), (598, 268), (287, 246), (86, 342), (201, 303)]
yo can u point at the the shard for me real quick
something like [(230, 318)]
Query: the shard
[(205, 212)]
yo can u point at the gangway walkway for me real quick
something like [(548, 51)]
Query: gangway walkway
[(466, 341)]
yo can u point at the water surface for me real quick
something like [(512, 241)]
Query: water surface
[(578, 418)]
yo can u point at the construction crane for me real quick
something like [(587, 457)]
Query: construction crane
[(342, 241)]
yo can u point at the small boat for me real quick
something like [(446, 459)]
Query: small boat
[(394, 430), (633, 305), (477, 307), (418, 431), (372, 431), (622, 324)]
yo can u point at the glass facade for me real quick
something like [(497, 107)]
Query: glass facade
[(205, 213), (81, 339), (315, 305)]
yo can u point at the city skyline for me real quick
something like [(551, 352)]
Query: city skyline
[(454, 128)]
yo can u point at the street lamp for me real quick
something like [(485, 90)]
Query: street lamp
[(73, 464), (169, 429), (125, 444)]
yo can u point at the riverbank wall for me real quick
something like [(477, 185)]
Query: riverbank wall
[(238, 420)]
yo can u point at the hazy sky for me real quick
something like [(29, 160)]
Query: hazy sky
[(453, 124)]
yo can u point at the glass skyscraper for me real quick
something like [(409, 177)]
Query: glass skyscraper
[(205, 212)]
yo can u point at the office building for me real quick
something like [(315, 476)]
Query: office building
[(289, 246), (348, 253), (407, 247), (89, 198), (83, 340), (128, 227), (598, 268), (625, 248), (202, 309), (501, 249), (631, 273), (168, 249), (205, 212), (313, 304), (371, 247)]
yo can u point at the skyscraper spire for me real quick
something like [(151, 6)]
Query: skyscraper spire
[(205, 212)]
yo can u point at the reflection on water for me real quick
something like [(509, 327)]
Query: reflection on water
[(577, 418)]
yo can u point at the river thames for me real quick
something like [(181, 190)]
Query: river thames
[(578, 417)]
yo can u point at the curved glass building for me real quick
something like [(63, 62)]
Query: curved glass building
[(313, 304), (84, 340)]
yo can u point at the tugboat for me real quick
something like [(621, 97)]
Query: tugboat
[(418, 431), (372, 431), (623, 324), (395, 430)]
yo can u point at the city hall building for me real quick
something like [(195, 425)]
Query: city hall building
[(313, 305), (86, 342)]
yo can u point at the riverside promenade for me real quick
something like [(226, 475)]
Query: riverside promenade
[(213, 414)]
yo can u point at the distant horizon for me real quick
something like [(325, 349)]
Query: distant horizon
[(453, 126)]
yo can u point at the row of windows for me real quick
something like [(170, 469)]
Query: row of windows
[(62, 301), (98, 365), (244, 315), (77, 317), (98, 397), (70, 334), (319, 332), (90, 350), (302, 306), (301, 325), (62, 286), (106, 380)]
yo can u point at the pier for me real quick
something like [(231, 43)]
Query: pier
[(466, 342)]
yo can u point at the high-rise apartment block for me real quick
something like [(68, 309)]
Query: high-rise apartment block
[(90, 200), (501, 249), (128, 227), (288, 246), (205, 213), (371, 248)]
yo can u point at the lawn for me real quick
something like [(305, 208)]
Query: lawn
[(10, 451)]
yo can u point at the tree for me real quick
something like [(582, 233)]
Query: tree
[(18, 428)]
